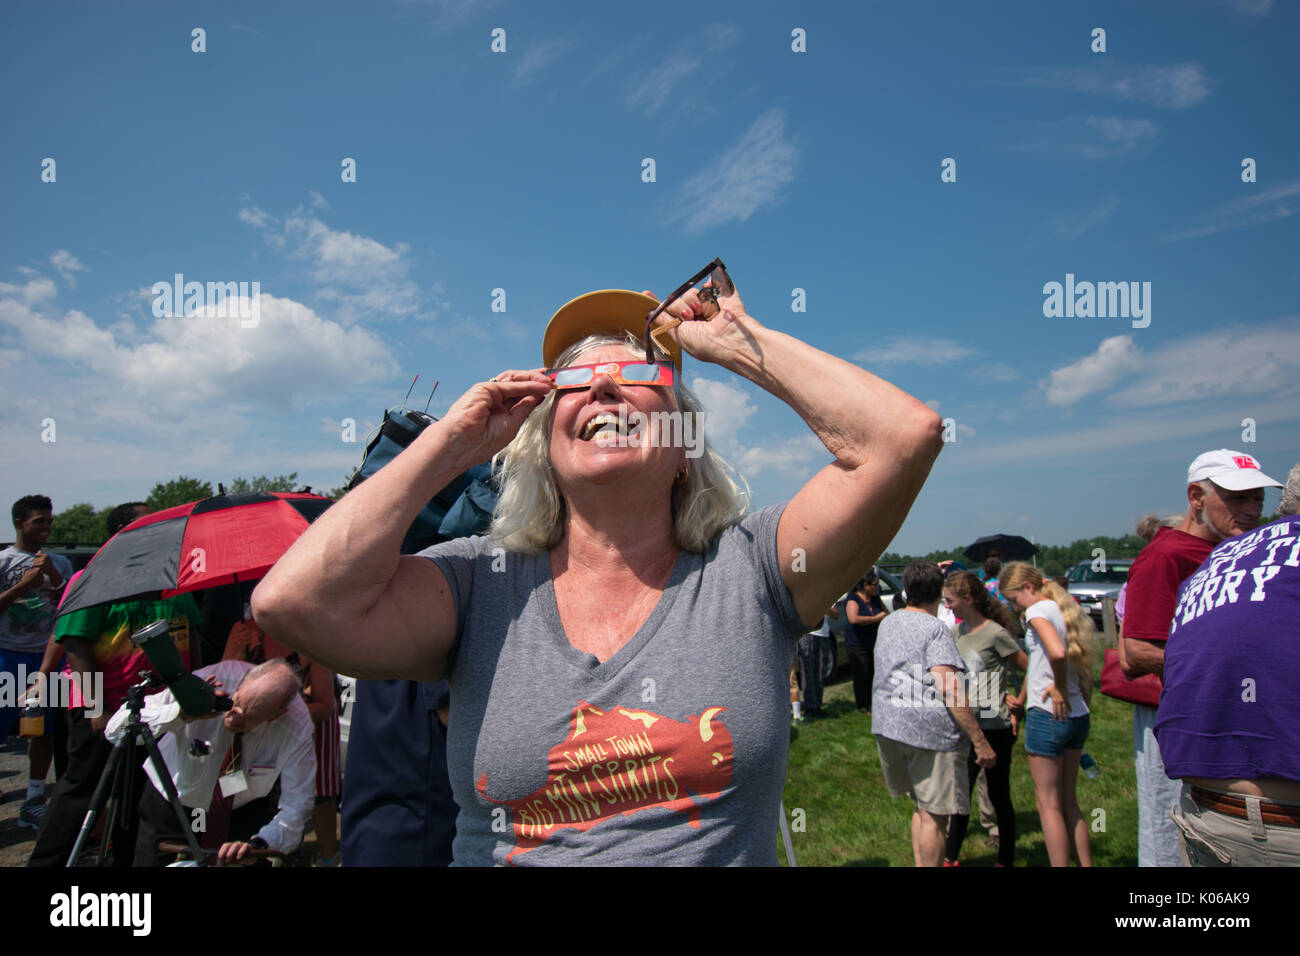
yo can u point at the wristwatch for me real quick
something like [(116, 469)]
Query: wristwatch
[(257, 843)]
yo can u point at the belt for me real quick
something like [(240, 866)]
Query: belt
[(1278, 814)]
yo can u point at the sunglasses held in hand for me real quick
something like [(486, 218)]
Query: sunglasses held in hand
[(720, 284)]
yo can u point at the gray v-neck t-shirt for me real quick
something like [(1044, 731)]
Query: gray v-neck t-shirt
[(672, 752)]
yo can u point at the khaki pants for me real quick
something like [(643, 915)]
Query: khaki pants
[(1210, 838)]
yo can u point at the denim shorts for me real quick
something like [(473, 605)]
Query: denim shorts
[(1045, 736)]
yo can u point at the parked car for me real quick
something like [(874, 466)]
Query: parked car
[(833, 654), (1089, 585)]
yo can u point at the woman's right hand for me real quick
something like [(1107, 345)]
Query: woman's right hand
[(1060, 707), (488, 416)]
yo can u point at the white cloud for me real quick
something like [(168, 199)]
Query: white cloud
[(1069, 229), (316, 200), (795, 457), (1268, 205), (743, 179), (537, 57), (1237, 362), (727, 408), (256, 217), (1116, 358), (1253, 8), (360, 276), (914, 351), (996, 372), (1087, 137), (66, 264), (181, 372), (1175, 86), (657, 83), (30, 292)]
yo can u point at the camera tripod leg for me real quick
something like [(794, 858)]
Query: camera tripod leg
[(97, 802)]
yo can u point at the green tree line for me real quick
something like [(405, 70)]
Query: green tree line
[(1054, 559)]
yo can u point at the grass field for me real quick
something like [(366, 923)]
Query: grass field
[(849, 819)]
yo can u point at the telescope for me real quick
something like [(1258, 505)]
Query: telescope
[(196, 696)]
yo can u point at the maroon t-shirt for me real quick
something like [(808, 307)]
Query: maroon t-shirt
[(1153, 582)]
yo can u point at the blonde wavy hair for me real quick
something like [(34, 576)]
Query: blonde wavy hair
[(1082, 644), (530, 511)]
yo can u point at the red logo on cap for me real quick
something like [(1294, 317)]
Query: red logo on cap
[(1245, 461)]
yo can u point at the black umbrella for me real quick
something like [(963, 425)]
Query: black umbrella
[(1010, 547)]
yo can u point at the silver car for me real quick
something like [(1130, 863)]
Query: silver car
[(1089, 585), (890, 588)]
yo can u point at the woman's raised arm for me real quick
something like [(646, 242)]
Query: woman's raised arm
[(883, 440), (344, 595)]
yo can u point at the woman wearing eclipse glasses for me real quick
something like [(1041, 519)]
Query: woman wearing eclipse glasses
[(618, 645)]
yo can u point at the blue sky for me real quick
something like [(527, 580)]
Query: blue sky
[(522, 171)]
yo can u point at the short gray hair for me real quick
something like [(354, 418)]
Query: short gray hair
[(278, 683), (1290, 503), (529, 515)]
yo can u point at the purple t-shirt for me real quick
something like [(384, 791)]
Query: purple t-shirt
[(1231, 704)]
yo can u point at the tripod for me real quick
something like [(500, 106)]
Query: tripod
[(115, 788)]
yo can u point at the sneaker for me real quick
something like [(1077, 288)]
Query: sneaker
[(30, 815), (335, 860), (948, 863)]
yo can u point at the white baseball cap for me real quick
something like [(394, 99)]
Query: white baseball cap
[(1232, 470)]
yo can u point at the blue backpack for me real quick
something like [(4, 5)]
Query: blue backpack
[(463, 507)]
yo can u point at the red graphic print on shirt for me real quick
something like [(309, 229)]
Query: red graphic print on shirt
[(620, 762)]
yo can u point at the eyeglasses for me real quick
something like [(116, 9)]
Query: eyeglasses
[(719, 284), (630, 372)]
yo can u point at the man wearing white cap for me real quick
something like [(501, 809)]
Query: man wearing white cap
[(1225, 497)]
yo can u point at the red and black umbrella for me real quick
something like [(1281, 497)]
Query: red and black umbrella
[(220, 540)]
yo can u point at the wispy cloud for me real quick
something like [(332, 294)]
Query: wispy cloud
[(1269, 205), (656, 84), (360, 275), (537, 57), (1069, 229), (448, 14), (257, 218), (67, 264), (1234, 363), (1253, 8), (1086, 137), (1177, 86), (654, 88), (913, 351), (996, 372), (742, 180)]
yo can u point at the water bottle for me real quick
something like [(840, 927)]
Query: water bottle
[(1089, 766), (31, 723)]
